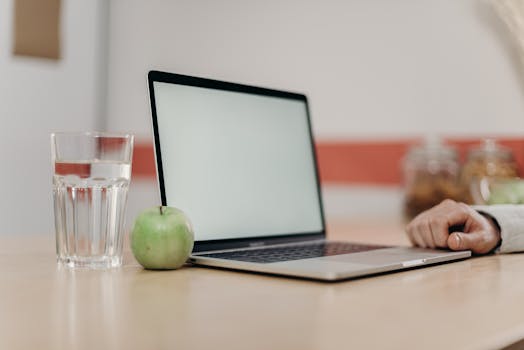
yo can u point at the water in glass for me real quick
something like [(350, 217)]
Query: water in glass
[(90, 199)]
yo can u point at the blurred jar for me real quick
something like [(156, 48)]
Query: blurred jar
[(486, 163), (431, 174)]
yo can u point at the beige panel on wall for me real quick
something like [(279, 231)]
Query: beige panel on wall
[(37, 28), (512, 12)]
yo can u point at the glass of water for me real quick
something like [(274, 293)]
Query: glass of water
[(92, 171)]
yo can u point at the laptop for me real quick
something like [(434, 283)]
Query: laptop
[(240, 162)]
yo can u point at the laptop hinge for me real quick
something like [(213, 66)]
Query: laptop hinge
[(262, 246), (207, 246)]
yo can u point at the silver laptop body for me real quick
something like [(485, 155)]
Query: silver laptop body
[(240, 161)]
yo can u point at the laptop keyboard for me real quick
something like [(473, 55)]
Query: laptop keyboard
[(294, 252)]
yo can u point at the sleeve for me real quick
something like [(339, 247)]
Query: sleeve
[(510, 218)]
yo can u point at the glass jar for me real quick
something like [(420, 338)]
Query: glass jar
[(486, 163), (431, 174)]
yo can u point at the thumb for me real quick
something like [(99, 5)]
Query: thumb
[(464, 241)]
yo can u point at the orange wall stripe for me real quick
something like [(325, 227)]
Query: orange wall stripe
[(143, 160), (349, 162), (361, 162)]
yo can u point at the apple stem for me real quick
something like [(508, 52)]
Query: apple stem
[(161, 211)]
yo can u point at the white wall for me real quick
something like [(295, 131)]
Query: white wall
[(38, 96), (376, 68)]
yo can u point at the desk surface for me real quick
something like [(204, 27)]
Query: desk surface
[(472, 304)]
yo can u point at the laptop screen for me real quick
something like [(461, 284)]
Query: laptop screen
[(239, 164)]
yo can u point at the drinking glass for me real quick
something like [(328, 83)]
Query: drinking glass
[(92, 171)]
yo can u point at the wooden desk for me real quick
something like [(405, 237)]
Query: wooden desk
[(473, 304)]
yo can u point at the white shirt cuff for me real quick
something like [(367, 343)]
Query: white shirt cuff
[(510, 218)]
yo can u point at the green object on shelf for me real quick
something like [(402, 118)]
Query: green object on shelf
[(507, 192)]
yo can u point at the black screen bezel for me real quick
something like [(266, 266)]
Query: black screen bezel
[(207, 245)]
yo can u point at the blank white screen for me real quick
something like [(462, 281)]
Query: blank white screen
[(239, 165)]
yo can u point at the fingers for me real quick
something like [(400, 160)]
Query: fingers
[(458, 241), (431, 229), (427, 235), (475, 242), (481, 241), (455, 214), (419, 241), (421, 235), (415, 234), (439, 231)]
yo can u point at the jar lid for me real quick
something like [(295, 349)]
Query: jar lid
[(490, 149), (432, 149)]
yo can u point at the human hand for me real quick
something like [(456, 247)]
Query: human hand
[(455, 226)]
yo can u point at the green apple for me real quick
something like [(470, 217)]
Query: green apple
[(507, 192), (162, 238)]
